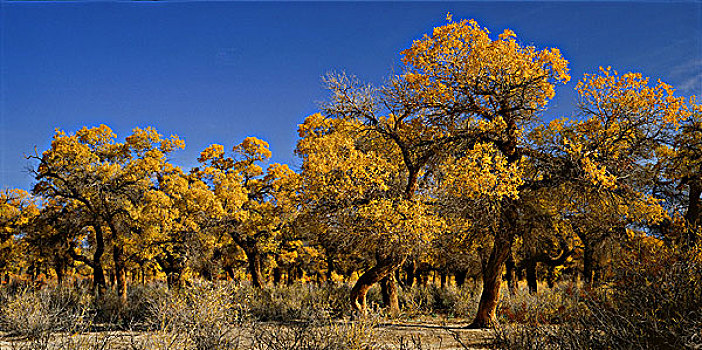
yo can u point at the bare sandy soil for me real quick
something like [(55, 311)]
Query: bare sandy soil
[(389, 335)]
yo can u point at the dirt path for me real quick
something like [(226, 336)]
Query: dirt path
[(434, 336), (388, 335)]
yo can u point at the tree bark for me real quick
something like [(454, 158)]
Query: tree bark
[(461, 276), (277, 276), (254, 260), (511, 276), (120, 272), (588, 265), (366, 281), (388, 289), (95, 262), (531, 276), (492, 279), (410, 273), (693, 213)]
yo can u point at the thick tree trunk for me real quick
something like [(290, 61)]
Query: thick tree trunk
[(442, 279), (59, 265), (366, 281), (492, 280), (255, 266), (388, 289), (410, 273), (120, 272), (531, 277), (694, 211), (99, 283), (461, 276), (588, 265), (277, 276), (59, 275)]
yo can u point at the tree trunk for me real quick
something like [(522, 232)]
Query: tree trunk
[(410, 273), (694, 211), (461, 278), (120, 272), (511, 276), (366, 281), (99, 283), (492, 280), (59, 275), (442, 279), (254, 260), (531, 277), (588, 262), (388, 289), (277, 276)]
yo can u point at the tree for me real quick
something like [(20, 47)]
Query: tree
[(360, 186), (176, 211), (254, 206), (605, 164), (460, 92), (17, 209), (682, 163), (104, 181)]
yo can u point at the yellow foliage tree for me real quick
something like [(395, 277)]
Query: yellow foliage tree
[(254, 206), (105, 181)]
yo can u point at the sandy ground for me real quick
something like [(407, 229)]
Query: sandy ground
[(389, 335)]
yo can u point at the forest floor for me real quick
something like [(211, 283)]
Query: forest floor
[(404, 335)]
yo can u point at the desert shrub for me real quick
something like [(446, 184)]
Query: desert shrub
[(561, 304), (204, 312), (450, 301), (525, 337), (298, 302), (111, 311), (37, 313), (654, 301)]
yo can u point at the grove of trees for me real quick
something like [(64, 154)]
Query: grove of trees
[(451, 168)]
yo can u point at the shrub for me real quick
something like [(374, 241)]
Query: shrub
[(653, 302), (298, 302), (36, 313), (204, 312), (450, 301), (557, 305), (111, 312)]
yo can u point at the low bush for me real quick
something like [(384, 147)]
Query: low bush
[(562, 304), (653, 302), (36, 313), (298, 302), (426, 300)]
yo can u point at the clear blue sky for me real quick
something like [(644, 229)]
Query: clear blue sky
[(216, 72)]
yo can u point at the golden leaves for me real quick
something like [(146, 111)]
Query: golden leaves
[(482, 173), (460, 58)]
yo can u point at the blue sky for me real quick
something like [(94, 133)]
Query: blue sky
[(216, 72)]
